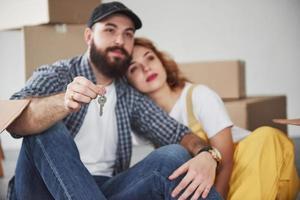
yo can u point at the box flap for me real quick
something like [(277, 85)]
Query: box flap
[(287, 121), (10, 110)]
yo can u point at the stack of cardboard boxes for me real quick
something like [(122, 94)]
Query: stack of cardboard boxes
[(227, 78), (41, 32), (48, 30)]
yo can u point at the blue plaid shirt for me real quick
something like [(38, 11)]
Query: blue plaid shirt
[(134, 111)]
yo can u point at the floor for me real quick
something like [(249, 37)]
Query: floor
[(139, 152), (9, 167)]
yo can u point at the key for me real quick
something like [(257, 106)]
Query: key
[(101, 101)]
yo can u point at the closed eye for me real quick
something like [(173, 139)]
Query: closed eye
[(132, 69)]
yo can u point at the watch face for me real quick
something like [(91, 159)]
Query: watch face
[(216, 154)]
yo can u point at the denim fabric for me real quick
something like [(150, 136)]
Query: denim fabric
[(49, 167)]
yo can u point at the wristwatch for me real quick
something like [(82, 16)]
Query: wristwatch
[(215, 153)]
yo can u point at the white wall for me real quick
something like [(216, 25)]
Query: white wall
[(12, 76), (264, 33)]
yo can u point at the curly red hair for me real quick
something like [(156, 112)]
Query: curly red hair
[(175, 79)]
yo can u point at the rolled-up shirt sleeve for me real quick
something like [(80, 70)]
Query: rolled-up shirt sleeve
[(45, 81)]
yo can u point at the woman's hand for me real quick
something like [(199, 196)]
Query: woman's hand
[(200, 176)]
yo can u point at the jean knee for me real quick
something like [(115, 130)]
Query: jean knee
[(173, 154), (56, 136)]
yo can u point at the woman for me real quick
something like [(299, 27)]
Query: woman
[(261, 166)]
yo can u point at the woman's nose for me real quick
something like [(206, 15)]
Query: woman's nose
[(145, 67)]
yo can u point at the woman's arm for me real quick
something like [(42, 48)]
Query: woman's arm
[(223, 142)]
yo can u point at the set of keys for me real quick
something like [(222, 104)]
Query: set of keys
[(101, 101)]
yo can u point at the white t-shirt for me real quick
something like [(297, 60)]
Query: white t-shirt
[(98, 136), (208, 109)]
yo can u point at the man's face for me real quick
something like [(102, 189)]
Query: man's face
[(111, 45)]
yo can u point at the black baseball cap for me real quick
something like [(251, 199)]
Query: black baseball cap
[(107, 9)]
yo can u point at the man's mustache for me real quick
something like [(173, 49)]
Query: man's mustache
[(122, 50)]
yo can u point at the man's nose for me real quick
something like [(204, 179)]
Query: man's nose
[(119, 40)]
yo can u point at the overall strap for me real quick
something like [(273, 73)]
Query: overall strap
[(193, 123)]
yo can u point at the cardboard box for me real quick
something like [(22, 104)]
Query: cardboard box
[(227, 78), (16, 13), (38, 45), (253, 112), (10, 110)]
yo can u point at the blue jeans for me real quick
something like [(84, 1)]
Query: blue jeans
[(49, 167)]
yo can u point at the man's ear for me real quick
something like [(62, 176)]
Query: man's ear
[(88, 36)]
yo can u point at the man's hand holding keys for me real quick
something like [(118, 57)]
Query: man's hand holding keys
[(81, 91)]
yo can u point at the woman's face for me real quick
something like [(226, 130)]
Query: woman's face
[(146, 72)]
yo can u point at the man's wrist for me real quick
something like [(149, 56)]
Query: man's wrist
[(192, 143)]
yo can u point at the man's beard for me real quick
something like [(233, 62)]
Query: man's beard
[(111, 69)]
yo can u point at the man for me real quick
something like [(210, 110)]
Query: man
[(76, 130)]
